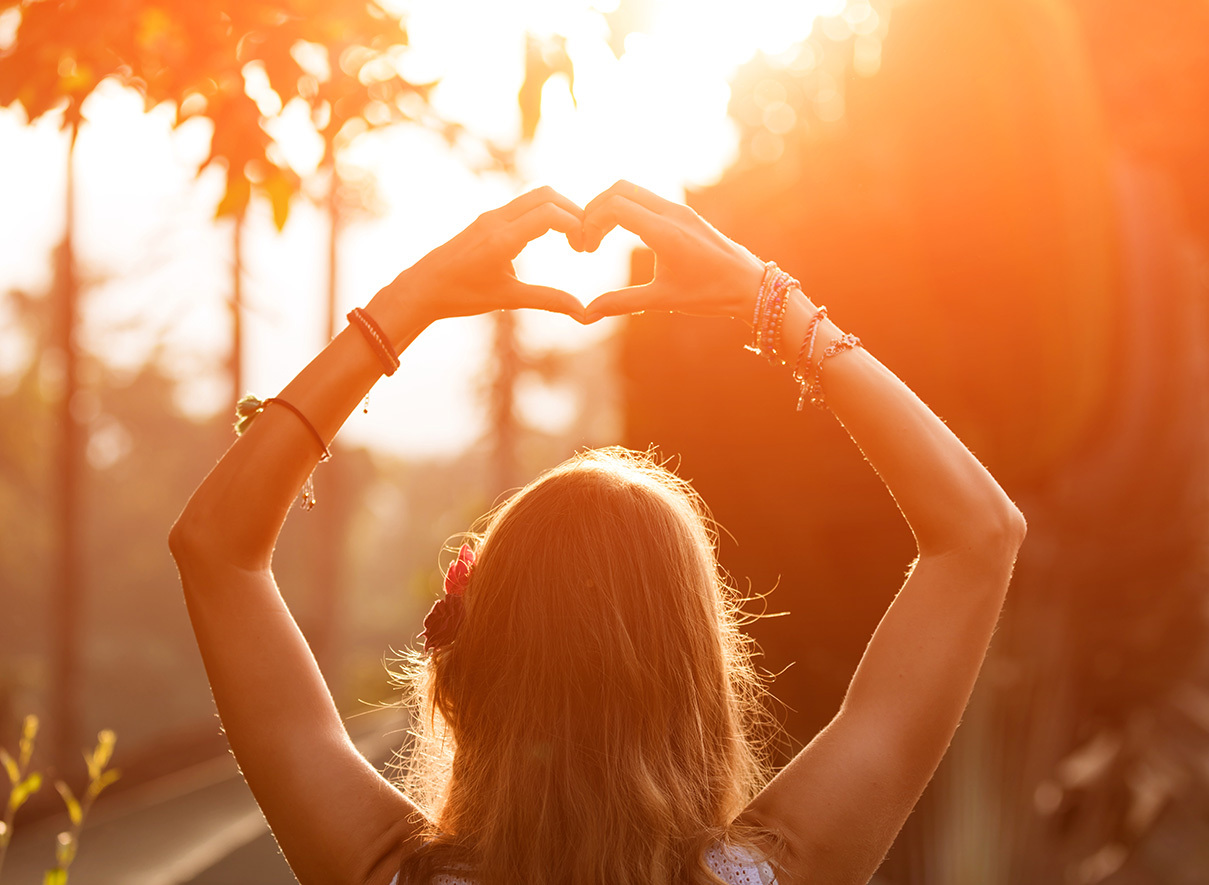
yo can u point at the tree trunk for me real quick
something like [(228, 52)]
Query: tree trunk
[(330, 517), (504, 428), (235, 364), (67, 599)]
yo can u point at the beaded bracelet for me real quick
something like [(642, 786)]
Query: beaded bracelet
[(780, 295), (807, 351), (770, 269), (772, 300), (847, 341), (377, 339)]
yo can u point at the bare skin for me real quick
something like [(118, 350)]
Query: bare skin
[(839, 803)]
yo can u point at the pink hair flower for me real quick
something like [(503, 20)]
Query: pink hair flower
[(445, 617)]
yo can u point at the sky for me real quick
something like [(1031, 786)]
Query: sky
[(160, 265)]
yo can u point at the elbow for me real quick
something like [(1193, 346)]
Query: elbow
[(991, 534), (1002, 534), (190, 540), (182, 540), (1017, 527)]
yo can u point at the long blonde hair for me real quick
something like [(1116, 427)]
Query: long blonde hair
[(597, 720)]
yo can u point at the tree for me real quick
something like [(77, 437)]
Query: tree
[(195, 56)]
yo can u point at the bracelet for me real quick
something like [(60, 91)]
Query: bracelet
[(807, 351), (770, 269), (246, 411), (327, 454), (776, 315), (772, 299), (847, 341), (376, 337)]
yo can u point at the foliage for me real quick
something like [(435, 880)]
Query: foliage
[(24, 783), (100, 776), (337, 58)]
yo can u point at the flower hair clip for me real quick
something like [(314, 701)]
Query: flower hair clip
[(445, 617)]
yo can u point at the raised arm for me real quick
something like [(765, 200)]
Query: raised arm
[(335, 818), (840, 802)]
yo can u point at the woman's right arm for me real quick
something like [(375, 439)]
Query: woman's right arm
[(841, 801), (335, 818)]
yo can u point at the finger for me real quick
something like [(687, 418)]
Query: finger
[(624, 301), (535, 198), (542, 218), (633, 192), (649, 225), (526, 295)]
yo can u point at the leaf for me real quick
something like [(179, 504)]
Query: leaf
[(10, 766), (106, 778), (29, 731), (57, 876), (24, 790), (281, 187), (235, 200), (65, 850), (105, 742), (73, 806)]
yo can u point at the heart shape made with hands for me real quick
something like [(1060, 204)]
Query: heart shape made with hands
[(548, 262), (699, 271)]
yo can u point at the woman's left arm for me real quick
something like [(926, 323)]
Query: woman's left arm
[(335, 817)]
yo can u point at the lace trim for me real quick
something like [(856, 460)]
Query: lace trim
[(730, 863)]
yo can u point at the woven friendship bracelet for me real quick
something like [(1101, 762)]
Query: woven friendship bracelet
[(377, 339)]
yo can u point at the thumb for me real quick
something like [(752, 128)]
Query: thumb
[(632, 299), (527, 295)]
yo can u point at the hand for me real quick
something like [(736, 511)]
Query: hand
[(473, 273), (697, 270)]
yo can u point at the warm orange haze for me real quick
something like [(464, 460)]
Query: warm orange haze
[(1006, 201)]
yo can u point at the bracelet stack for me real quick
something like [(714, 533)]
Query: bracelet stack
[(771, 302), (376, 338)]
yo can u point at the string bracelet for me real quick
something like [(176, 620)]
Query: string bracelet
[(847, 341), (249, 407), (377, 339), (806, 351)]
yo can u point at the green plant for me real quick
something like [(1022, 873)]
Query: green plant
[(22, 782), (99, 777)]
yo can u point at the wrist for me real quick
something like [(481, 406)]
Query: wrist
[(397, 309), (748, 276)]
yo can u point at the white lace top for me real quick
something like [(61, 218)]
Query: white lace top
[(730, 863)]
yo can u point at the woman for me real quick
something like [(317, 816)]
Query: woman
[(585, 670)]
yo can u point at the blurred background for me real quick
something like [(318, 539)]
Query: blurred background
[(1008, 201)]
